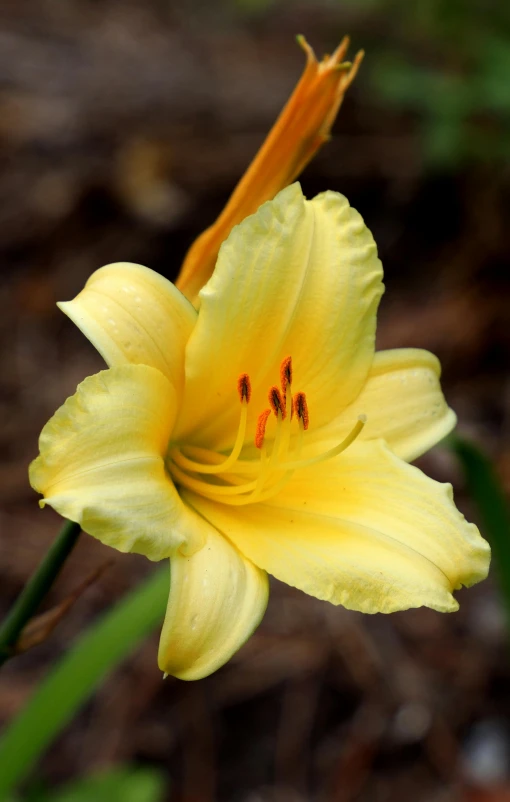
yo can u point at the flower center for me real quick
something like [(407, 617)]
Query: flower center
[(237, 481)]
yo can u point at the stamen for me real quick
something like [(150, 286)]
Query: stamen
[(271, 489), (237, 481), (268, 464), (213, 458), (276, 402), (286, 374), (332, 452), (301, 408), (261, 427), (277, 442), (244, 387), (210, 490), (263, 474), (264, 488)]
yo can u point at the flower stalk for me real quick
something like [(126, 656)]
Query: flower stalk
[(36, 588)]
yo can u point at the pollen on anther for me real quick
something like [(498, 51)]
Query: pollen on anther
[(276, 402), (244, 387), (260, 432), (286, 373), (301, 409)]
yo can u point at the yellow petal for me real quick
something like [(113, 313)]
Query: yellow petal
[(300, 130), (403, 402), (101, 464), (298, 278), (132, 315), (217, 599), (365, 530)]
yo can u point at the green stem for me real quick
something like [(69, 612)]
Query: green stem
[(36, 588)]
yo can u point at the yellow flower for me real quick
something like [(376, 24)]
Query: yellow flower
[(300, 130), (172, 452)]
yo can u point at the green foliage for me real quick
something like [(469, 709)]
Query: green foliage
[(118, 785), (70, 683), (449, 64), (486, 491), (122, 784), (250, 7)]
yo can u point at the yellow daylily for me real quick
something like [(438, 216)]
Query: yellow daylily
[(260, 434)]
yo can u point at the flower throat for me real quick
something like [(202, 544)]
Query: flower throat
[(235, 481)]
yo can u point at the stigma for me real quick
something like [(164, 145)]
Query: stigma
[(249, 475)]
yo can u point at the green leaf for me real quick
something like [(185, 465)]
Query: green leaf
[(70, 683), (120, 784), (123, 784), (443, 142), (487, 493)]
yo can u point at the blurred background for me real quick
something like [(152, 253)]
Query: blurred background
[(124, 127)]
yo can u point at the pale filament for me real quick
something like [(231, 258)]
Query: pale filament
[(333, 452), (199, 467), (229, 479)]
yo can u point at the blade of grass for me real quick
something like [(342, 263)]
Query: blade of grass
[(120, 784), (72, 680), (485, 489)]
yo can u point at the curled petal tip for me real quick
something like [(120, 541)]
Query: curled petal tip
[(358, 58), (341, 50), (308, 49)]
